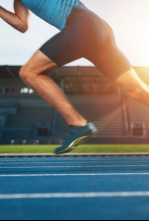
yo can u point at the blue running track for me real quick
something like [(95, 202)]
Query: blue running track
[(74, 188)]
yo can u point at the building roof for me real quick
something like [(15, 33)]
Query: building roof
[(13, 72), (9, 71)]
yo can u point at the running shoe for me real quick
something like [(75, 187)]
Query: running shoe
[(76, 136)]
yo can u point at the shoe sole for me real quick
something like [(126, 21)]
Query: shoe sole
[(74, 144)]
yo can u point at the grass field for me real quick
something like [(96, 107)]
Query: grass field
[(4, 149)]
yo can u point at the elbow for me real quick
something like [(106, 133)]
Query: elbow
[(23, 31), (24, 28), (21, 26)]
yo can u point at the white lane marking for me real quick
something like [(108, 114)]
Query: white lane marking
[(75, 174), (73, 195), (73, 162), (101, 159), (100, 166), (54, 160)]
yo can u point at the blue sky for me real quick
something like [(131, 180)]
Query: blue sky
[(128, 18)]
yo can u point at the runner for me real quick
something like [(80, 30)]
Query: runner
[(82, 34)]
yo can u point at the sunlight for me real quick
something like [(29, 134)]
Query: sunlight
[(130, 22)]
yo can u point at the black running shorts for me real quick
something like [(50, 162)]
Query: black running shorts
[(87, 36)]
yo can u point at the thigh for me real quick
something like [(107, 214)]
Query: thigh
[(110, 60), (40, 63), (84, 34), (65, 47)]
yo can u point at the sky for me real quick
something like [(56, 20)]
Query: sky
[(129, 20)]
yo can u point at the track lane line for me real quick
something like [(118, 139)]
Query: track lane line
[(99, 166), (73, 195), (76, 160), (73, 162), (75, 174)]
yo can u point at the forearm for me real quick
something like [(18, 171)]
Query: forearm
[(13, 20)]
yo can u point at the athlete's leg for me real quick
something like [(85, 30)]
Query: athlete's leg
[(32, 75), (116, 67), (134, 86)]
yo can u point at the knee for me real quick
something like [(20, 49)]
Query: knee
[(23, 73), (26, 74), (137, 93)]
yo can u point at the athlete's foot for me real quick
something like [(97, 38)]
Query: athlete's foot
[(76, 136)]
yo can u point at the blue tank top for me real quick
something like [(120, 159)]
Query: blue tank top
[(55, 12)]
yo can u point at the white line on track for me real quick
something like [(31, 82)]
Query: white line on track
[(78, 159), (73, 159), (72, 162), (76, 174), (99, 166), (73, 195)]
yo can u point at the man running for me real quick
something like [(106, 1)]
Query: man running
[(82, 34)]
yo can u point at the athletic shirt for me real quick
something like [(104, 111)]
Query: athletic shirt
[(55, 12)]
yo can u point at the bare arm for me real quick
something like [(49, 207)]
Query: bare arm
[(18, 20)]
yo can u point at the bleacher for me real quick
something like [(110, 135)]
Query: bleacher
[(22, 124), (107, 114), (26, 118), (139, 116)]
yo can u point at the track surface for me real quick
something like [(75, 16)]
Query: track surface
[(91, 188)]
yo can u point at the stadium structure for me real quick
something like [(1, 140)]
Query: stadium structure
[(26, 119)]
